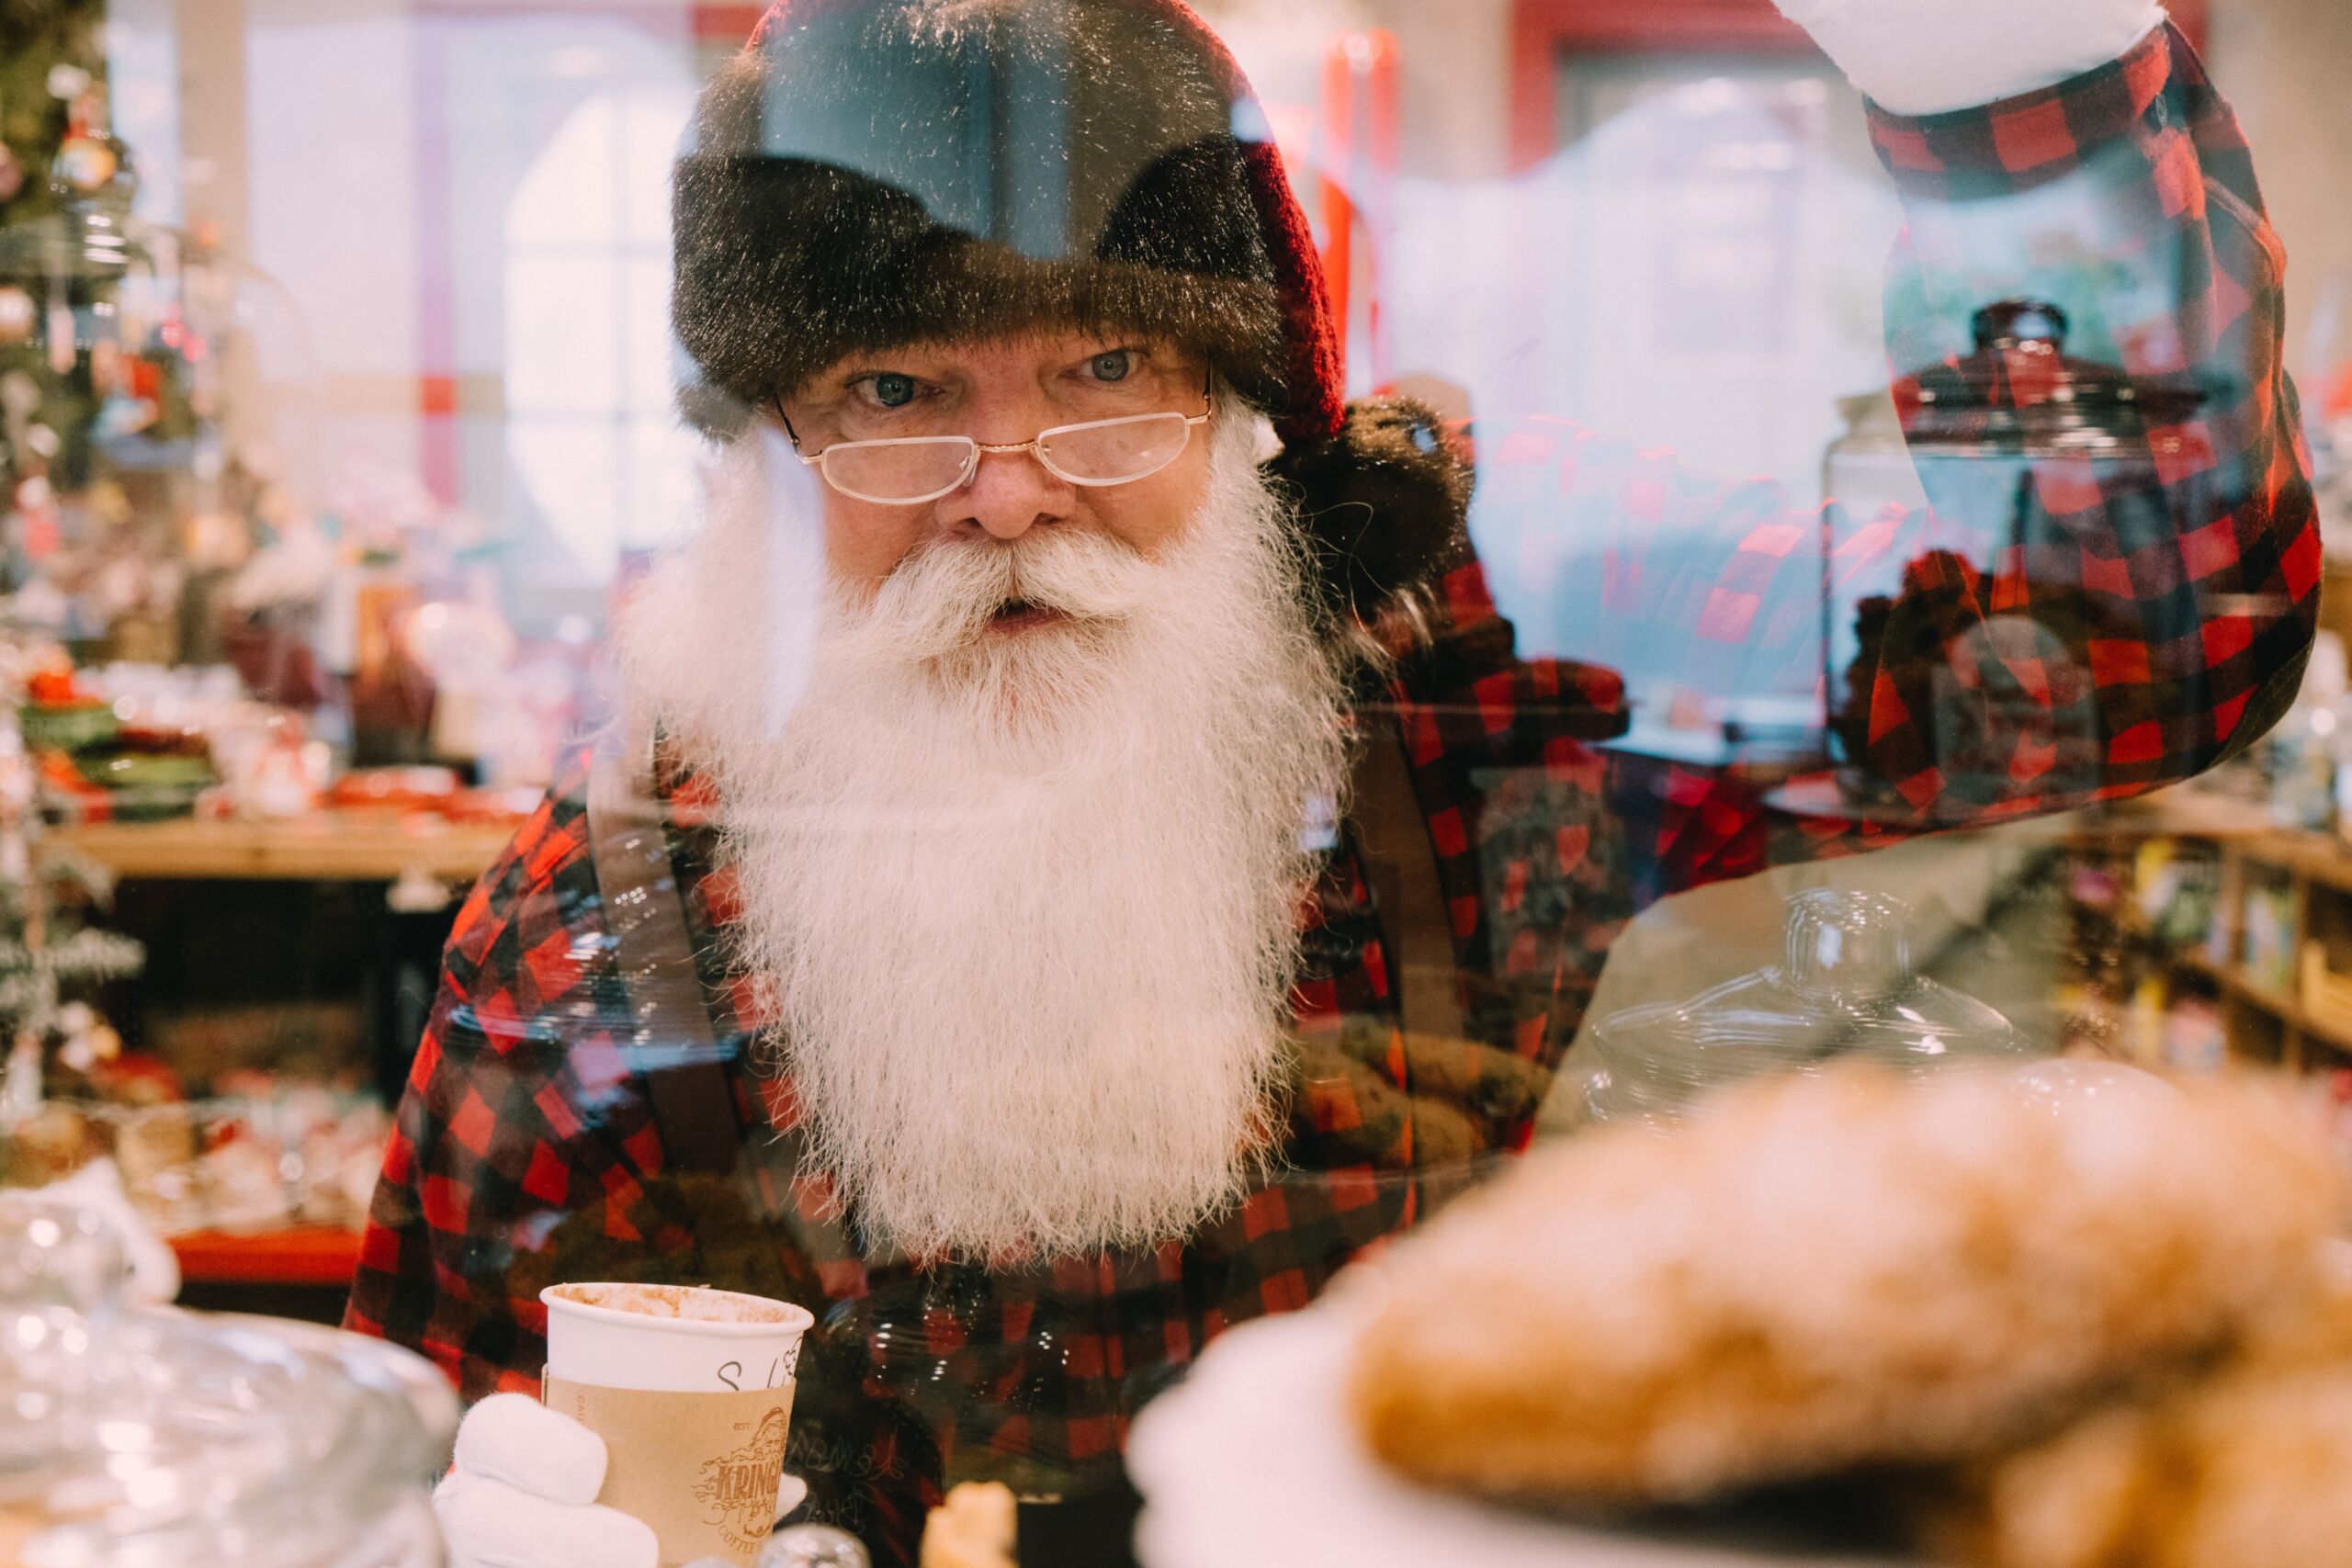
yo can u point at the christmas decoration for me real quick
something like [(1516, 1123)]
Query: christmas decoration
[(55, 1043)]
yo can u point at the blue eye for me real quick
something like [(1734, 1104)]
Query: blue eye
[(893, 390), (1114, 366)]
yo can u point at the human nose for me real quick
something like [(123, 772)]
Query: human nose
[(1011, 493)]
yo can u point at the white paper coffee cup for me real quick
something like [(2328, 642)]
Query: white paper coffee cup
[(672, 1339), (691, 1391)]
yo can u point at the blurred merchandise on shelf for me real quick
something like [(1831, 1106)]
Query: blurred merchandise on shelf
[(2304, 757), (2190, 909), (2195, 1039), (280, 1156), (2327, 411), (428, 792), (2272, 936), (2135, 902), (2175, 890), (127, 741), (132, 742), (261, 1148), (217, 1050), (2325, 995), (2300, 775)]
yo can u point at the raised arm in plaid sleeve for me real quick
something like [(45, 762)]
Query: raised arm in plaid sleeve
[(2187, 595), (2138, 179)]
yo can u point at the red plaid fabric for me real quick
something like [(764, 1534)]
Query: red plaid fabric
[(2176, 605)]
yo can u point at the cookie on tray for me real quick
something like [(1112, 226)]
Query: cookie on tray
[(1819, 1272), (2245, 1463)]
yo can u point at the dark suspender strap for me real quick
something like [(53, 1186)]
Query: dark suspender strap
[(1401, 864), (694, 1104)]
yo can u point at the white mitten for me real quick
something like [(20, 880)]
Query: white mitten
[(523, 1495), (1921, 57)]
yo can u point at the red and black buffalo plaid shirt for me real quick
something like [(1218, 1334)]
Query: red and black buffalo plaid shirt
[(527, 1149)]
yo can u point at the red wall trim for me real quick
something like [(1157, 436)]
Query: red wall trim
[(437, 265), (727, 24), (307, 1256), (1542, 29)]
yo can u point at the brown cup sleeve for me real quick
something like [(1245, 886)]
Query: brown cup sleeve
[(700, 1468)]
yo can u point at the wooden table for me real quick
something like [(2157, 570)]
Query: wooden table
[(328, 847)]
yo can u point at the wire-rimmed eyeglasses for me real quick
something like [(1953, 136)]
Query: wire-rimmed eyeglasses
[(910, 470)]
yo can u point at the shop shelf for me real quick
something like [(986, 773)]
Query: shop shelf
[(2267, 1022), (311, 1256), (329, 847)]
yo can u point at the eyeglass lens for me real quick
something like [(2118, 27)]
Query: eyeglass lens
[(907, 471), (1114, 453), (1126, 450)]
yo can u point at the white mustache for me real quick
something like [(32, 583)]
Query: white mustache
[(943, 597)]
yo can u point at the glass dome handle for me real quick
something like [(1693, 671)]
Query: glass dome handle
[(1846, 943)]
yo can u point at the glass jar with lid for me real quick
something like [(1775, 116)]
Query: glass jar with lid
[(1950, 578), (163, 1439)]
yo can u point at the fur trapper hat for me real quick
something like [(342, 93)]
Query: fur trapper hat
[(873, 173)]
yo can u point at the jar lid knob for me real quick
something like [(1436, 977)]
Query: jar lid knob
[(2019, 321), (1854, 943)]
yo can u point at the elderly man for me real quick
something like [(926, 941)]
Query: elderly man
[(1085, 859)]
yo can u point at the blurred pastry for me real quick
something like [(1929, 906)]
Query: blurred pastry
[(974, 1528), (1827, 1272), (2247, 1466)]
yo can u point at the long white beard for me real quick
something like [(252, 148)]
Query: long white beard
[(1029, 902)]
